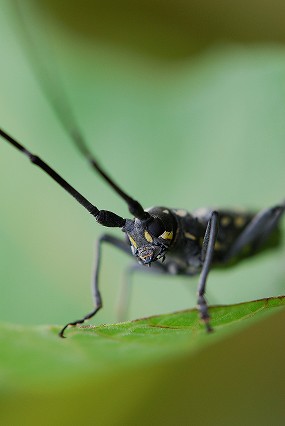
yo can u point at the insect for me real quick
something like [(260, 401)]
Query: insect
[(172, 241)]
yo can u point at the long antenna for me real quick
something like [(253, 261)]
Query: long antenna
[(54, 91), (104, 217)]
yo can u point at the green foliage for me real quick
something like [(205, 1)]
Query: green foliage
[(176, 129), (109, 369), (205, 131)]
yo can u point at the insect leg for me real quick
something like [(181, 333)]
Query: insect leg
[(207, 255), (124, 298), (258, 230), (120, 244)]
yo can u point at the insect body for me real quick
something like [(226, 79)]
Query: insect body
[(172, 240), (181, 235)]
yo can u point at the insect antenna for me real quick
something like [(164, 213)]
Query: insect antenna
[(51, 85), (104, 217)]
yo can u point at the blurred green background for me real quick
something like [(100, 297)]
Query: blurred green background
[(183, 103)]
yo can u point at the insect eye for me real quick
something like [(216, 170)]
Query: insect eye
[(156, 227)]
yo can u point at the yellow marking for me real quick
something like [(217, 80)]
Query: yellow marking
[(225, 221), (165, 211), (190, 236), (219, 246), (145, 256), (133, 241), (239, 221), (167, 235), (148, 237), (181, 212)]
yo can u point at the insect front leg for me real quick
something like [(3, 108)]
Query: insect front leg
[(206, 257), (120, 244)]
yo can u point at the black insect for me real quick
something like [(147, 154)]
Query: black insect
[(173, 241)]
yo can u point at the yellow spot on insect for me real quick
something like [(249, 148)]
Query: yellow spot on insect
[(165, 211), (225, 220), (218, 246), (148, 237), (239, 221), (190, 236), (167, 235), (181, 212), (133, 241)]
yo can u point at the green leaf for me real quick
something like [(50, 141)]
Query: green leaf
[(111, 369)]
